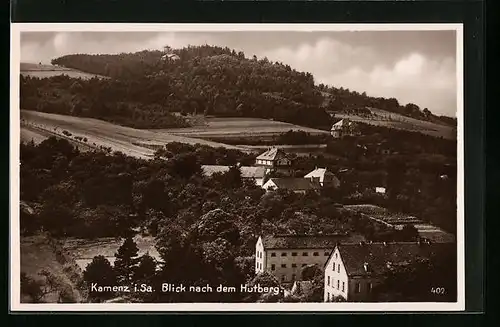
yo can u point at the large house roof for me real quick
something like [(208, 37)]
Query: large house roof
[(295, 184), (272, 154), (323, 174), (379, 257), (246, 171), (308, 241), (343, 123)]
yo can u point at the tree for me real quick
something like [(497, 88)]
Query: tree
[(146, 269), (184, 165), (99, 272), (126, 260), (431, 279), (34, 289), (217, 224)]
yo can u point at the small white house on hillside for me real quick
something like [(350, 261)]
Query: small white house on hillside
[(344, 127), (326, 178)]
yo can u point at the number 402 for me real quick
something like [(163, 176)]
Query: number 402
[(438, 290)]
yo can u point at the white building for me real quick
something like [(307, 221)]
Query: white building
[(326, 178), (284, 256), (297, 185), (170, 56), (353, 270), (344, 127)]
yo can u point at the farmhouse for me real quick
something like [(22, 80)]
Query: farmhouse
[(297, 185), (344, 127), (284, 256), (326, 178), (399, 220), (274, 159), (352, 270), (257, 174)]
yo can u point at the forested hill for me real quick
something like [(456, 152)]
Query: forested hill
[(211, 80), (148, 86)]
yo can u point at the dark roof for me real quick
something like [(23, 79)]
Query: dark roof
[(380, 256), (308, 241), (246, 171), (296, 184), (272, 154), (252, 172)]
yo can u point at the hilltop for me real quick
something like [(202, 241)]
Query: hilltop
[(146, 88)]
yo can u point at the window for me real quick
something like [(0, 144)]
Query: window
[(283, 254), (283, 278), (338, 284), (283, 265), (336, 255), (358, 288), (343, 286), (328, 281), (273, 267), (294, 265), (333, 267), (327, 254), (328, 296), (338, 268), (273, 254), (293, 277), (315, 254), (370, 287), (304, 254), (294, 254)]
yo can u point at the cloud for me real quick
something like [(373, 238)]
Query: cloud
[(64, 43), (428, 81)]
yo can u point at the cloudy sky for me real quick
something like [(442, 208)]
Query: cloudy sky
[(412, 66)]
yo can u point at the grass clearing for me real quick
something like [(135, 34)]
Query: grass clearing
[(238, 127), (392, 120), (84, 251), (39, 253), (105, 134), (46, 71)]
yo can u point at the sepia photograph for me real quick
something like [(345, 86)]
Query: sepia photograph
[(237, 167)]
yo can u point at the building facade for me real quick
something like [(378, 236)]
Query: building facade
[(274, 159), (353, 270), (285, 256)]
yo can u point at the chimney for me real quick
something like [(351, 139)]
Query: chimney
[(385, 243), (366, 266)]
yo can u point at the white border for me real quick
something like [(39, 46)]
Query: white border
[(15, 304)]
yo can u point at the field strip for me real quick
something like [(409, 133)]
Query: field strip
[(104, 134)]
